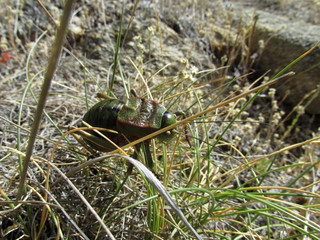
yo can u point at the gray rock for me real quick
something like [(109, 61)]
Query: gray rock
[(285, 40)]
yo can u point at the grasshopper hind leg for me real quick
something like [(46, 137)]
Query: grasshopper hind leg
[(149, 160), (147, 154)]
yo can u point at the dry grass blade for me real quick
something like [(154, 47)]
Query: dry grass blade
[(53, 61), (84, 200), (65, 213)]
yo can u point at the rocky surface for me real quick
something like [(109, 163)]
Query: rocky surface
[(281, 35)]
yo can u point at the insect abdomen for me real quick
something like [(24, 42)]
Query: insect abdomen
[(104, 114)]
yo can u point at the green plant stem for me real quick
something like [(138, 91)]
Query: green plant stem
[(54, 57), (116, 55)]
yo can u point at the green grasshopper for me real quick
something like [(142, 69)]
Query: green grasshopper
[(130, 120)]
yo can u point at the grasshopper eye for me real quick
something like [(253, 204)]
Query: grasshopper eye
[(167, 119)]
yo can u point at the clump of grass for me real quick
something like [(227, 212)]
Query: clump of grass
[(233, 176)]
